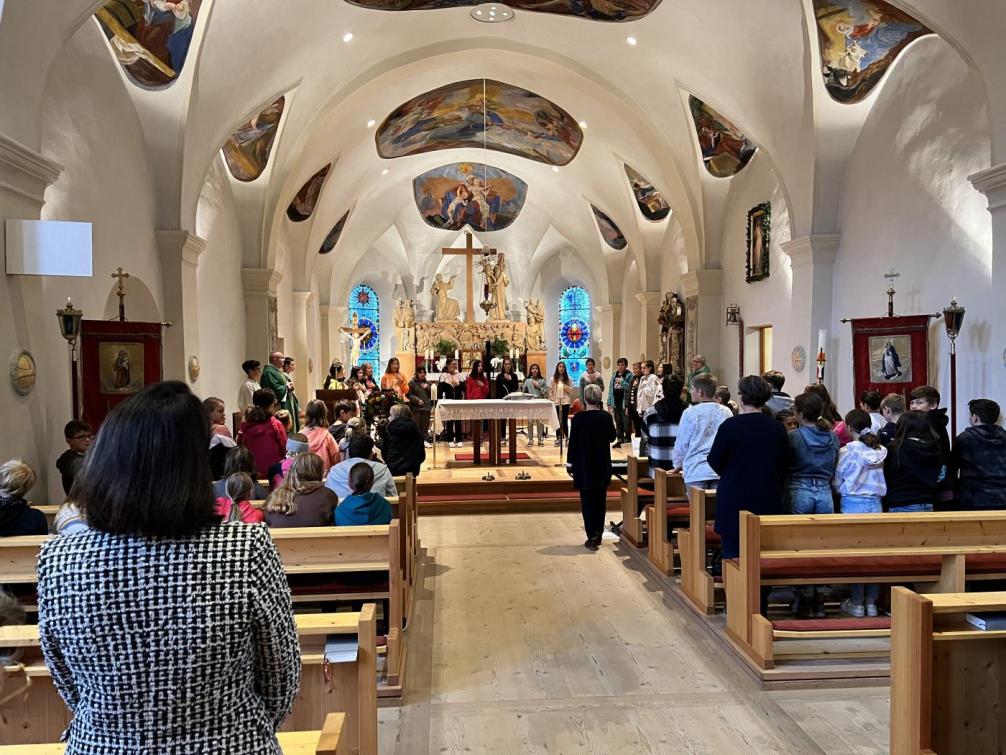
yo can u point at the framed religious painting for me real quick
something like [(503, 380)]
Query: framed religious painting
[(890, 354), (117, 359), (758, 236)]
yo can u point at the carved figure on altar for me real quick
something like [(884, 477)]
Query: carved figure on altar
[(405, 324), (498, 279), (357, 337), (444, 308), (535, 325), (671, 319)]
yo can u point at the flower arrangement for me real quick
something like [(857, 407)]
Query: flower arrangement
[(379, 403), (445, 347)]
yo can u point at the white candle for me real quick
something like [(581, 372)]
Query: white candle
[(433, 391), (457, 355), (822, 337)]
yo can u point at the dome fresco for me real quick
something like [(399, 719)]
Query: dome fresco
[(469, 194), (651, 201), (333, 236), (247, 150), (611, 233), (481, 113), (599, 10), (726, 151), (303, 204)]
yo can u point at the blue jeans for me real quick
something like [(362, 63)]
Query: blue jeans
[(872, 592), (811, 497), (861, 504), (911, 508)]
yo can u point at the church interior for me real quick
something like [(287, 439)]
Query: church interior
[(548, 181)]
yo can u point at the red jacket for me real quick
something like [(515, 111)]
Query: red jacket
[(477, 388), (266, 441), (249, 514)]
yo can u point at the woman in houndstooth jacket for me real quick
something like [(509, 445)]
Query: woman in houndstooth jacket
[(165, 630)]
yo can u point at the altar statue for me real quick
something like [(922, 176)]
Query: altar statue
[(444, 308), (535, 325), (405, 324), (498, 279), (357, 337)]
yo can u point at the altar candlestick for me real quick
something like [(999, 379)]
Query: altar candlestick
[(822, 337)]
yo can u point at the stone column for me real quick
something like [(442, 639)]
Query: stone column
[(703, 292), (28, 323), (303, 377), (813, 263), (179, 253), (992, 183), (649, 328), (331, 318), (260, 285), (611, 330)]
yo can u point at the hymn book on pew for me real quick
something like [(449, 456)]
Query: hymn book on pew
[(988, 621)]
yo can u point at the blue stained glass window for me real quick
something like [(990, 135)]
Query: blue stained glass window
[(364, 303), (574, 331)]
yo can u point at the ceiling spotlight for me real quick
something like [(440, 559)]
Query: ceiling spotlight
[(384, 172), (631, 41), (489, 13), (347, 37), (371, 123), (583, 124), (555, 168)]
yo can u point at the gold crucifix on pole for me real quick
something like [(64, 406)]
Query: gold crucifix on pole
[(121, 276), (469, 252)]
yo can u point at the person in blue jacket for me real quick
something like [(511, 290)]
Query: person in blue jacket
[(363, 506)]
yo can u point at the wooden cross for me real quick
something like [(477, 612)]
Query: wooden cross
[(890, 275), (469, 253), (121, 292)]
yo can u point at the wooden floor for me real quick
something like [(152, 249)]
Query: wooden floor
[(525, 642)]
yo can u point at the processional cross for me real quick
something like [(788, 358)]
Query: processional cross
[(891, 275), (121, 292), (469, 252)]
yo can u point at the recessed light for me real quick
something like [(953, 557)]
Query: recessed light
[(384, 172), (492, 13), (555, 168), (347, 37), (371, 123), (631, 41), (583, 124), (478, 13)]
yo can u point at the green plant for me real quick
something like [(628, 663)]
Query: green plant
[(445, 347), (499, 347)]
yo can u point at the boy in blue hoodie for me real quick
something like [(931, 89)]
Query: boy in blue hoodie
[(363, 506)]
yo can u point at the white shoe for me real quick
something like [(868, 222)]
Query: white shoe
[(427, 444), (871, 609), (853, 610)]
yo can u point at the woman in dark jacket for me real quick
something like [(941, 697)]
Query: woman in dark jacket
[(16, 516), (590, 437), (913, 465), (750, 454), (164, 629), (403, 449)]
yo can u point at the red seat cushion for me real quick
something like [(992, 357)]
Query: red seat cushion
[(821, 625), (850, 566), (565, 494), (986, 563), (712, 536), (353, 582), (677, 511)]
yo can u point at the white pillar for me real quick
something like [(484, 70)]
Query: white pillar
[(27, 323), (813, 263), (302, 377), (704, 316), (179, 253), (991, 183), (610, 317), (260, 285), (649, 329)]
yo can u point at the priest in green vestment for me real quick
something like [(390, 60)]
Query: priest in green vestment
[(280, 384)]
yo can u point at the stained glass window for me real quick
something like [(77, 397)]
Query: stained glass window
[(574, 331), (363, 302)]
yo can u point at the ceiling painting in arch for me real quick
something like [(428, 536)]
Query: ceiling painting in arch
[(247, 150), (333, 236), (860, 40), (481, 113), (726, 150), (303, 204), (469, 194), (150, 38), (611, 233), (650, 200), (598, 10)]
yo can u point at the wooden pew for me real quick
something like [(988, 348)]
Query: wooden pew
[(946, 675), (631, 497), (697, 584), (669, 507), (350, 687), (927, 548), (326, 741)]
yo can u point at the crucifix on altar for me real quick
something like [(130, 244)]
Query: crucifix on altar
[(469, 252), (357, 335), (121, 276)]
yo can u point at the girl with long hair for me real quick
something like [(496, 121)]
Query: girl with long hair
[(302, 500), (319, 439), (537, 387), (393, 379), (450, 386), (913, 466), (560, 395)]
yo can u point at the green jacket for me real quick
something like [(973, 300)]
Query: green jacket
[(274, 379)]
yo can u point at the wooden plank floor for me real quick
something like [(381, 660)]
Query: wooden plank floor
[(524, 642)]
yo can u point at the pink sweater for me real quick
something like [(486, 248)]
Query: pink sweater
[(321, 442)]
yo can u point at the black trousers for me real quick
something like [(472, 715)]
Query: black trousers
[(593, 502), (635, 423), (562, 412), (620, 421)]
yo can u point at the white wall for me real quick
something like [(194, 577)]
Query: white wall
[(907, 203), (91, 128), (220, 293), (765, 302)]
